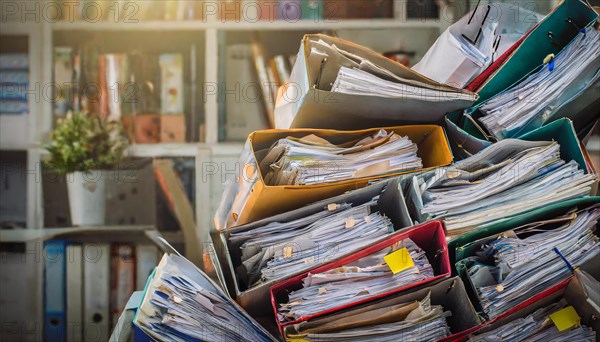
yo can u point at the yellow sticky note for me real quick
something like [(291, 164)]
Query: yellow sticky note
[(565, 318), (287, 252), (399, 260)]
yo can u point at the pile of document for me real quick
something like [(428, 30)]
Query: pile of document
[(182, 304), (281, 249), (313, 160), (355, 81), (360, 76), (470, 45), (365, 277), (544, 92), (508, 178), (537, 326), (525, 267), (414, 321)]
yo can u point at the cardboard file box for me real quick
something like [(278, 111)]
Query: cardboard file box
[(449, 293), (549, 36), (256, 299), (429, 237), (563, 133), (262, 200), (309, 101), (467, 245)]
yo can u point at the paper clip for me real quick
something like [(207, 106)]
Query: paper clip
[(564, 259), (482, 22), (550, 61)]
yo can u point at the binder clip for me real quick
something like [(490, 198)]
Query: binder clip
[(550, 61)]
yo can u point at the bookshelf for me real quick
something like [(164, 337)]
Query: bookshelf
[(211, 37)]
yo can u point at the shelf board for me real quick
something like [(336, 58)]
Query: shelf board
[(31, 235), (276, 25), (18, 27), (168, 150), (163, 150), (8, 146)]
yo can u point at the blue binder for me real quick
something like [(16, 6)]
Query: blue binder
[(54, 291)]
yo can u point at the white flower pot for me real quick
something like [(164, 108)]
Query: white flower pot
[(87, 197)]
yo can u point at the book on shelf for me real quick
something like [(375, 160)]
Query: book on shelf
[(359, 9), (116, 76), (14, 83), (312, 9), (262, 72), (272, 72), (139, 88), (74, 290), (123, 277), (86, 286), (244, 112)]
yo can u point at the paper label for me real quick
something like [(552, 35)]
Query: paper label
[(399, 260), (322, 290), (287, 252), (565, 319), (309, 260), (350, 223)]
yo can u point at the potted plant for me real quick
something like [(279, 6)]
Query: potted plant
[(84, 147)]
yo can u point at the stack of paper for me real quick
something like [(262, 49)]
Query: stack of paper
[(355, 81), (527, 266), (365, 277), (311, 159), (537, 326), (182, 304), (471, 44), (538, 96), (506, 179), (278, 250), (414, 321), (359, 76)]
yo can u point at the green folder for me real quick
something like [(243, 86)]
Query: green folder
[(550, 36), (561, 131)]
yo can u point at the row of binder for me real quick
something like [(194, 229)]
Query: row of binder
[(86, 286), (361, 218)]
